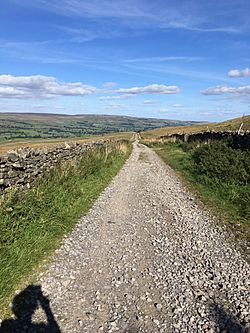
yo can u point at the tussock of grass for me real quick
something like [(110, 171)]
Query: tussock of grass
[(143, 157), (32, 223)]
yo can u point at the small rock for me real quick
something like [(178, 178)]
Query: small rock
[(158, 306)]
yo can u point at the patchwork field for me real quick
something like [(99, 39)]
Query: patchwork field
[(24, 126)]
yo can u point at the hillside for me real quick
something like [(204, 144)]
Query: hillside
[(16, 126), (229, 125)]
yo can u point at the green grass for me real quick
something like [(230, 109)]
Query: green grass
[(225, 191), (143, 157), (33, 222)]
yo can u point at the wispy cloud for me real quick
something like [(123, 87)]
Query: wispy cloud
[(191, 15), (239, 73), (110, 84), (226, 29), (38, 51), (93, 8), (77, 34), (164, 59), (163, 110), (59, 107), (51, 52), (38, 86), (220, 90), (113, 98), (176, 69), (151, 89), (178, 105), (149, 102)]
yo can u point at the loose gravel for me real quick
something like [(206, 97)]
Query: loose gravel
[(148, 258)]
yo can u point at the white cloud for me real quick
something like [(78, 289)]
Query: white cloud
[(149, 102), (226, 29), (151, 89), (206, 113), (234, 73), (163, 110), (239, 73), (220, 90), (38, 86), (112, 98), (110, 84)]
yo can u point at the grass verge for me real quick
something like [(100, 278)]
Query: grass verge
[(33, 222), (220, 186)]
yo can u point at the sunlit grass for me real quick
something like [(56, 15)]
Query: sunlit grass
[(33, 222), (230, 200)]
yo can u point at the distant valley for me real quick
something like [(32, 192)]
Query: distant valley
[(14, 126)]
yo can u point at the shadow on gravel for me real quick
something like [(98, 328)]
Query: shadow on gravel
[(24, 306), (225, 321), (131, 329)]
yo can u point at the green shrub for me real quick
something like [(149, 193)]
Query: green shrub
[(189, 146), (219, 174), (221, 162)]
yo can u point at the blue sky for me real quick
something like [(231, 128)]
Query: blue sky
[(166, 59)]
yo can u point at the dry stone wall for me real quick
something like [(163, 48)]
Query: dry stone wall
[(238, 140), (21, 167)]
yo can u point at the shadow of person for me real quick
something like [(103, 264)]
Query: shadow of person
[(227, 322), (24, 306)]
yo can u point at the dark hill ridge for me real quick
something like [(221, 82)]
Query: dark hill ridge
[(48, 125)]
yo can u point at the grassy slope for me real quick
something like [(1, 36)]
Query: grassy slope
[(229, 125), (38, 143), (33, 125), (33, 223)]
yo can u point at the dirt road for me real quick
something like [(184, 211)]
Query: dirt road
[(147, 258)]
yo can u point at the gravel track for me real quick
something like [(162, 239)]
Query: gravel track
[(148, 258)]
